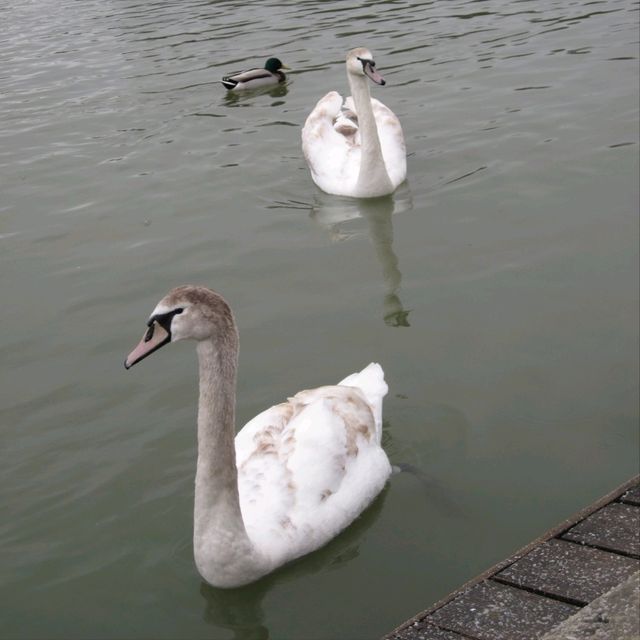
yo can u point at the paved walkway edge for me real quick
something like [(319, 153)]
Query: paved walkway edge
[(613, 615), (551, 533)]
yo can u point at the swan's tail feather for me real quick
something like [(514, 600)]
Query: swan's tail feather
[(371, 382)]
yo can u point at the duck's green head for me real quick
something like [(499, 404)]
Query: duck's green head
[(273, 65)]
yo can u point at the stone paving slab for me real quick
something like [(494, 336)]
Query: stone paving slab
[(427, 631), (632, 496), (613, 616), (569, 571), (530, 593), (494, 611), (615, 527)]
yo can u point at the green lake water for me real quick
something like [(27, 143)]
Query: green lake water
[(498, 288)]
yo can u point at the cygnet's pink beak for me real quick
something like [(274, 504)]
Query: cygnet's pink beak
[(155, 336)]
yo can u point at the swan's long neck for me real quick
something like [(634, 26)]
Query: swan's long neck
[(224, 554), (373, 179)]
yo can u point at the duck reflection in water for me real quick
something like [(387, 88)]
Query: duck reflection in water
[(335, 215), (245, 98), (240, 610)]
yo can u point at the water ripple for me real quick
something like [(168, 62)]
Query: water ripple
[(127, 168)]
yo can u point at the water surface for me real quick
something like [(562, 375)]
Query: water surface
[(498, 288)]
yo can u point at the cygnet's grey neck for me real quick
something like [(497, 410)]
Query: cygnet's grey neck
[(223, 551)]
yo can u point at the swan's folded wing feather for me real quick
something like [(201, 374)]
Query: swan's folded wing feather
[(328, 152), (338, 465), (310, 437), (272, 420), (264, 481), (371, 383), (307, 467), (392, 142)]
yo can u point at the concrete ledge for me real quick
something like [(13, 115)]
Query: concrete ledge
[(613, 616), (546, 582)]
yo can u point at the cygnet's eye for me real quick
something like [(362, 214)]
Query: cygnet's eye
[(164, 320), (149, 334)]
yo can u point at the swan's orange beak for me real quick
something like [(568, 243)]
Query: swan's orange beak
[(155, 336)]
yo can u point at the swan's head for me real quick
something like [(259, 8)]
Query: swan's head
[(185, 312), (360, 62)]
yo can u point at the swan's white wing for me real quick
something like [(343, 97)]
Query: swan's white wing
[(264, 481), (333, 158), (394, 150), (308, 467)]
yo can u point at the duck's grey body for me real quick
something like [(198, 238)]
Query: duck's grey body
[(272, 74)]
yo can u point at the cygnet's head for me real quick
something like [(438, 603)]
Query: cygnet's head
[(185, 312)]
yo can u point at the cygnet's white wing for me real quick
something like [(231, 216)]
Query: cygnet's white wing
[(309, 466), (394, 150), (332, 156)]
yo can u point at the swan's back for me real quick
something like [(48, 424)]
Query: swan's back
[(332, 156), (309, 466), (333, 150)]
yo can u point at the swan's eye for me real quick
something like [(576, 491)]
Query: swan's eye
[(178, 310)]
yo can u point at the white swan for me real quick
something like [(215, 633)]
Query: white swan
[(299, 472), (356, 149)]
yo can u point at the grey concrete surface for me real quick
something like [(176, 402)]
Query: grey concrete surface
[(613, 616)]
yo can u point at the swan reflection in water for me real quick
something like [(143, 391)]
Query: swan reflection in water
[(240, 610), (337, 215)]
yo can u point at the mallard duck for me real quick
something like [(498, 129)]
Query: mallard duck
[(355, 147), (293, 477), (272, 74)]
